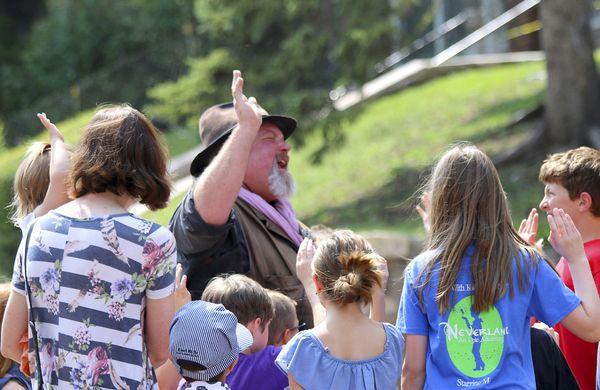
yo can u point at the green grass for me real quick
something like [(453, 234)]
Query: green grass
[(369, 180)]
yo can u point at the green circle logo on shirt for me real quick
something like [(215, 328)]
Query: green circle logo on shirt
[(475, 341)]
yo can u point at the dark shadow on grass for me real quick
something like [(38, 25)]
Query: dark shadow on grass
[(392, 205)]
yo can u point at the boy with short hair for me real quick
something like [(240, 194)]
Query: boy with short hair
[(251, 303), (572, 183), (205, 340), (285, 322)]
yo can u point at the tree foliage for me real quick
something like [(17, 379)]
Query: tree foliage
[(90, 51)]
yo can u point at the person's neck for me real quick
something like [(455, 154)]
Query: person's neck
[(339, 316), (589, 228), (96, 204)]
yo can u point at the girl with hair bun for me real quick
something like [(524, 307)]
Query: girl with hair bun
[(347, 349)]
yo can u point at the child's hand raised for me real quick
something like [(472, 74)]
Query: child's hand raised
[(423, 210), (564, 236), (182, 295), (304, 260), (382, 267), (60, 161)]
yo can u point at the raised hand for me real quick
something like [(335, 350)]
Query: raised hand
[(382, 267), (564, 236), (60, 161), (182, 295), (304, 260), (423, 209), (528, 229), (248, 111)]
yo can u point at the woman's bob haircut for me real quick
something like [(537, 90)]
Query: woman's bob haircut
[(121, 152)]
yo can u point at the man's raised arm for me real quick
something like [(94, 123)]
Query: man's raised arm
[(218, 186)]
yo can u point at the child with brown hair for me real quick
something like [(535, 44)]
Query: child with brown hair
[(285, 321), (467, 301), (104, 274), (347, 349), (40, 181), (251, 304), (572, 182)]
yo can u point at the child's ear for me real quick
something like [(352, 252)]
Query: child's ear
[(254, 326), (585, 201), (317, 283), (287, 336)]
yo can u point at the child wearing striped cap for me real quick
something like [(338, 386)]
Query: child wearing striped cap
[(205, 340)]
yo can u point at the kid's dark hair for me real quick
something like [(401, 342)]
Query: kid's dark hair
[(121, 152), (346, 265)]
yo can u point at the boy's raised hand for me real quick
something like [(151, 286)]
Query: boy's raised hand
[(248, 112), (564, 236)]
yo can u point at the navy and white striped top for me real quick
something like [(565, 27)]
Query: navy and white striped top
[(89, 280)]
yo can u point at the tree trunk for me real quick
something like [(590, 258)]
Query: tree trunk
[(573, 95)]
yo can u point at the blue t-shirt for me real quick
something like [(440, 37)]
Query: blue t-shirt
[(313, 366), (490, 349), (258, 371)]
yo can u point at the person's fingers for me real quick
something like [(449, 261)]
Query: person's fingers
[(178, 272), (421, 212), (570, 225), (521, 226), (559, 218), (184, 281), (553, 228), (237, 86), (535, 221)]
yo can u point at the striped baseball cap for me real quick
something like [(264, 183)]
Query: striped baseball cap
[(205, 338)]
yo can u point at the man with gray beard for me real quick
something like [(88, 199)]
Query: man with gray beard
[(237, 217)]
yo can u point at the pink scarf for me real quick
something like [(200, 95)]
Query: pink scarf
[(281, 214)]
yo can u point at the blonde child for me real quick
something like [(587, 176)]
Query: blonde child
[(346, 349), (40, 181), (467, 301)]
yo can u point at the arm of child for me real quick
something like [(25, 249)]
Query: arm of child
[(293, 384), (159, 313), (378, 292), (167, 376), (413, 370), (14, 325), (566, 240), (304, 259), (60, 164)]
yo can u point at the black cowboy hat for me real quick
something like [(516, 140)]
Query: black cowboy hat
[(218, 122)]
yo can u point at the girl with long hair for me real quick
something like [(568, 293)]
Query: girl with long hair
[(468, 299)]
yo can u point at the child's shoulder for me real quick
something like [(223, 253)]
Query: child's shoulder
[(416, 265)]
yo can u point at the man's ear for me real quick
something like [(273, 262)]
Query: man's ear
[(585, 202)]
